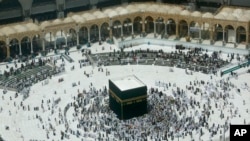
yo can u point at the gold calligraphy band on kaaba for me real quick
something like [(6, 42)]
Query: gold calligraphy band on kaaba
[(128, 101)]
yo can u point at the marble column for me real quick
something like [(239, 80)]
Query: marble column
[(20, 48), (166, 32), (188, 30), (55, 43), (31, 47), (100, 37), (211, 35), (8, 47), (89, 35), (121, 30), (247, 37), (77, 38), (110, 33), (8, 50), (43, 44), (143, 26), (199, 33), (132, 30), (155, 29), (177, 30), (223, 34), (235, 36), (66, 41)]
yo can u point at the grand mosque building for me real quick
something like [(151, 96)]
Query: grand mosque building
[(228, 25)]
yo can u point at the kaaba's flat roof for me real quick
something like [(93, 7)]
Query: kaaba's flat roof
[(128, 82)]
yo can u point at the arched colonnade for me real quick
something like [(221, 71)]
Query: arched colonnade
[(73, 33)]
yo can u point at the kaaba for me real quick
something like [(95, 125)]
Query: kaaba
[(127, 97)]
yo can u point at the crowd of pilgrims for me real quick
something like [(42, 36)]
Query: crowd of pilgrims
[(21, 83), (187, 57), (168, 117), (177, 115), (24, 66)]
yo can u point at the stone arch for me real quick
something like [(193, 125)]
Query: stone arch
[(149, 17), (205, 31), (137, 25), (218, 32), (60, 38), (127, 20), (83, 35), (14, 48), (171, 27), (230, 34), (149, 24), (49, 39), (193, 23), (137, 18), (117, 25), (160, 25), (229, 27), (3, 51), (71, 37), (183, 28), (25, 46), (241, 34), (105, 31), (127, 27), (37, 42), (194, 29), (94, 33)]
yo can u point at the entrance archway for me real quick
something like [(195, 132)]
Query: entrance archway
[(60, 39), (241, 35), (25, 46), (218, 31), (137, 25), (194, 30), (205, 33), (149, 25), (14, 48), (230, 34), (83, 35), (183, 28), (104, 31), (127, 27), (94, 33), (160, 26), (117, 28), (3, 51), (71, 37), (171, 27), (49, 41), (37, 44)]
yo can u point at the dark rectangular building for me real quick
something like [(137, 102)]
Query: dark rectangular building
[(127, 97)]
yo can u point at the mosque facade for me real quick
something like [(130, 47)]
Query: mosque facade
[(228, 25)]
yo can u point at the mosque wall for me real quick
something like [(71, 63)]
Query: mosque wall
[(43, 8), (26, 4), (12, 13), (240, 2)]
